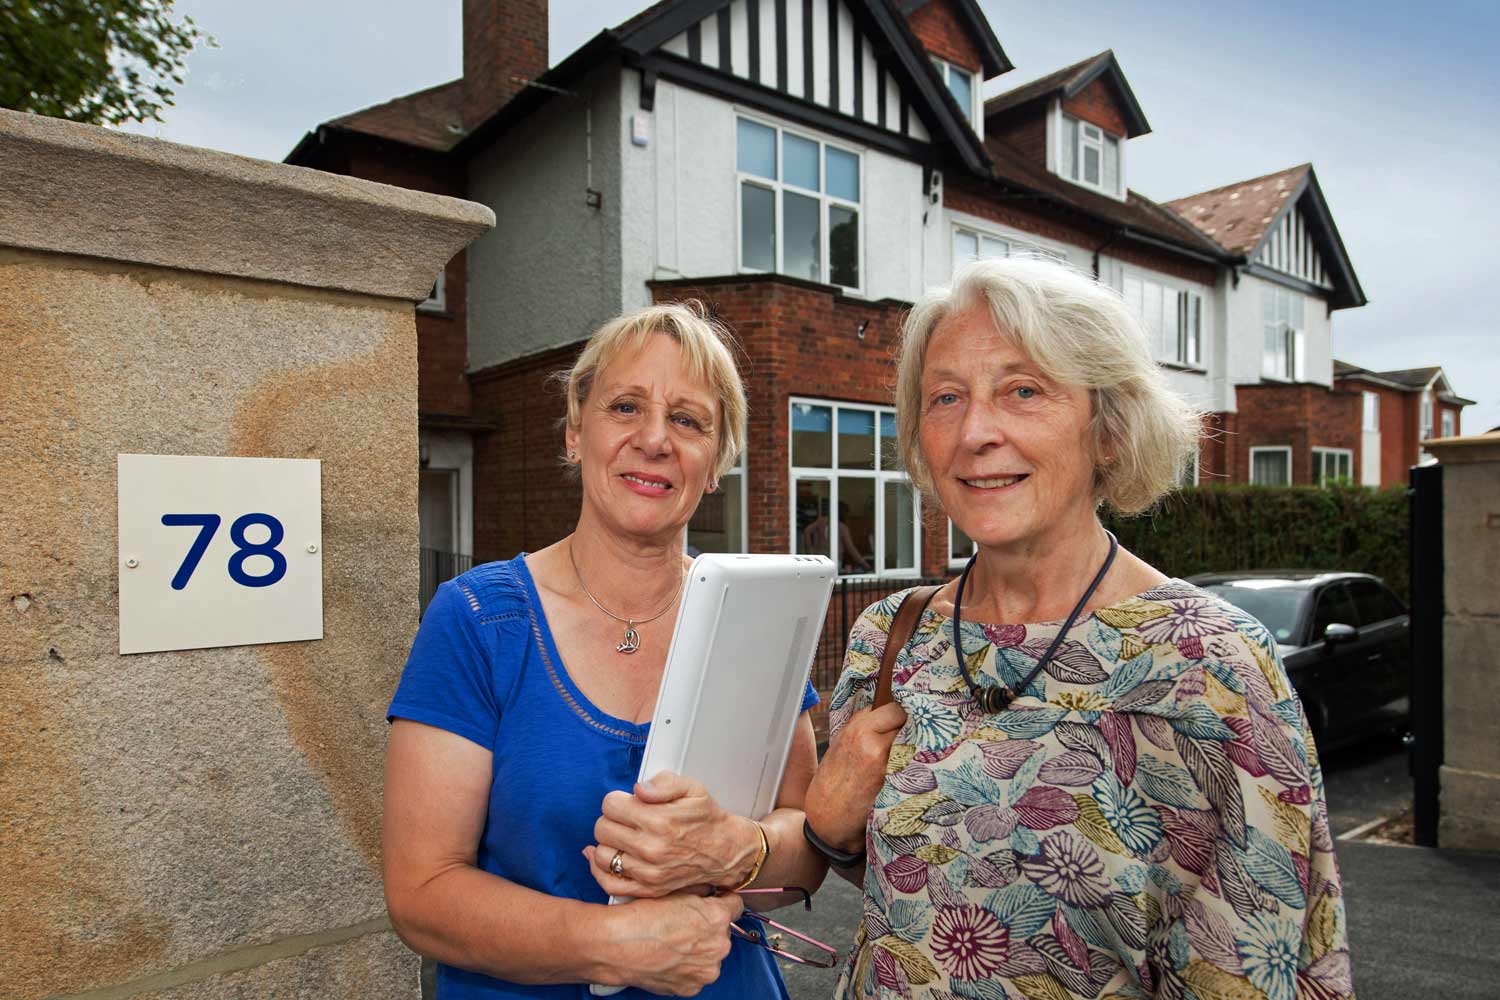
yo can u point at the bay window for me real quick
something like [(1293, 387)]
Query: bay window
[(1089, 156), (1271, 466), (799, 205), (960, 83), (850, 500), (1332, 465), (1283, 315), (1172, 319)]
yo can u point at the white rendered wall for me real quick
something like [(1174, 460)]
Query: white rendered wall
[(547, 275), (680, 197), (1247, 333)]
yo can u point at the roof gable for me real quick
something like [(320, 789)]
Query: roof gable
[(1281, 223), (931, 17), (840, 64), (1069, 83)]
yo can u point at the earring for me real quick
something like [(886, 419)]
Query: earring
[(572, 456), (713, 484)]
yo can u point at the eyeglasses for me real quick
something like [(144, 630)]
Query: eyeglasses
[(802, 949)]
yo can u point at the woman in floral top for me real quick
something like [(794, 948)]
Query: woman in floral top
[(1108, 797)]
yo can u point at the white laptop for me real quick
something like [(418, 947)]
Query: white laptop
[(738, 665)]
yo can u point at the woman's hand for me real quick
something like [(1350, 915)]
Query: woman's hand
[(848, 779), (672, 835), (673, 945)]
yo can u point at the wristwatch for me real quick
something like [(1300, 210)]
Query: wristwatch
[(836, 857)]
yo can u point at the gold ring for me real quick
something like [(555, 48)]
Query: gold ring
[(617, 865)]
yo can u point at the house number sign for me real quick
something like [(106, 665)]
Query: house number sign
[(219, 551)]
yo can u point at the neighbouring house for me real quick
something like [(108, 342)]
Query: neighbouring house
[(807, 169), (1282, 419), (1399, 412)]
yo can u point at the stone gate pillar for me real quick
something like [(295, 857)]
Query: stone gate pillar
[(1469, 814), (200, 823)]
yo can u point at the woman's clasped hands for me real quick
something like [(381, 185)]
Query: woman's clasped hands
[(669, 836)]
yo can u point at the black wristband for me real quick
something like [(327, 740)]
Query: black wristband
[(836, 857)]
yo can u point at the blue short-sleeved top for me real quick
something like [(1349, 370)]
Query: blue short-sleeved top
[(484, 666)]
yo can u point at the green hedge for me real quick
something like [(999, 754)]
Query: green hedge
[(1221, 528)]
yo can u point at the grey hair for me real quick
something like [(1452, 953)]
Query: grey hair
[(1079, 333)]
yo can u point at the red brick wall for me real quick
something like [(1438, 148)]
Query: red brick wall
[(442, 347), (966, 196), (939, 29), (442, 338), (1099, 105), (1025, 134), (502, 39), (1302, 416), (523, 500)]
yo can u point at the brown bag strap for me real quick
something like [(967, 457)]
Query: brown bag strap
[(903, 624)]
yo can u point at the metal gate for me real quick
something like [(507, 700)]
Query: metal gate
[(1426, 541)]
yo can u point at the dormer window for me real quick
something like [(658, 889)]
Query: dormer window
[(960, 83), (1089, 156)]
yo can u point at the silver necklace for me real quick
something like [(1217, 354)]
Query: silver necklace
[(632, 640)]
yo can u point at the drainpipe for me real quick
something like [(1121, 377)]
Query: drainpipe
[(1098, 249)]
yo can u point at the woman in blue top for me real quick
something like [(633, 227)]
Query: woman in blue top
[(511, 809)]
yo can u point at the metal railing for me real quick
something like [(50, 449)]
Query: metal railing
[(438, 566), (850, 598)]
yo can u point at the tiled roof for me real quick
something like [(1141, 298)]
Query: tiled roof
[(1414, 377), (1237, 215), (1042, 86), (429, 119), (1137, 212)]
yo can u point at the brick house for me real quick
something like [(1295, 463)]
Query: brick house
[(807, 170), (1399, 412)]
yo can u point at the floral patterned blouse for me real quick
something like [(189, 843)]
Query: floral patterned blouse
[(1146, 820)]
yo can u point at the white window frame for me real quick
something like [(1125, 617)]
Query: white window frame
[(1370, 414), (1285, 449), (1448, 421), (778, 187), (1424, 425), (832, 474), (973, 114), (437, 301), (1022, 243), (1322, 456), (1168, 346), (958, 563), (1190, 480), (1293, 338), (1105, 140), (979, 237), (739, 469)]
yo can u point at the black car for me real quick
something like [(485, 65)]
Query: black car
[(1345, 640)]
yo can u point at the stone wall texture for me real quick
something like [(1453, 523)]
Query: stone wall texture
[(198, 823), (1470, 796)]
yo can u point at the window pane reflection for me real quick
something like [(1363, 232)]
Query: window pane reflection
[(803, 251), (812, 435), (856, 439), (900, 528), (814, 535)]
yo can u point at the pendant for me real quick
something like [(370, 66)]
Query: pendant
[(632, 640)]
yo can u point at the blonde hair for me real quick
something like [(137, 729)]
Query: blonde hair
[(707, 355), (1079, 333)]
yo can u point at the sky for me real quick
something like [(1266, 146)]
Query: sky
[(1390, 101)]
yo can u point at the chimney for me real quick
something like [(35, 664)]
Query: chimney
[(502, 39)]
